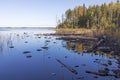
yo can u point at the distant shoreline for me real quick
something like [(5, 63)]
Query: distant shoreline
[(27, 27)]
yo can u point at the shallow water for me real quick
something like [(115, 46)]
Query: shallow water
[(25, 54)]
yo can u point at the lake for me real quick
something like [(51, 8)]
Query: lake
[(26, 54)]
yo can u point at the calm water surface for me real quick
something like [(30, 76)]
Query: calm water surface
[(27, 55)]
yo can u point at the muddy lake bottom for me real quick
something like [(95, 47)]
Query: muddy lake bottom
[(28, 55)]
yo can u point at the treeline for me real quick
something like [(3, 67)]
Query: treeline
[(100, 17)]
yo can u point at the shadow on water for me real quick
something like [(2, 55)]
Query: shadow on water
[(29, 55)]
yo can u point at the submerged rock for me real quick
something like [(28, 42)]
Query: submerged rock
[(80, 77), (106, 69), (11, 47), (39, 49), (95, 76), (105, 72), (28, 56), (45, 37), (26, 41), (109, 62), (47, 41), (77, 66), (117, 73), (118, 66), (49, 57), (105, 65), (49, 37), (96, 59), (83, 64), (39, 37), (44, 47), (25, 52), (66, 56), (54, 42), (88, 71)]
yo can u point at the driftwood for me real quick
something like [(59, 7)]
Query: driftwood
[(94, 48), (100, 73), (68, 67), (98, 43)]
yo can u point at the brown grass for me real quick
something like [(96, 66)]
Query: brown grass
[(112, 32)]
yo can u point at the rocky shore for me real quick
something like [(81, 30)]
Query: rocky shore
[(103, 43)]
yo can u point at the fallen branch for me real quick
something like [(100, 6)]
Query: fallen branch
[(94, 48), (99, 73), (68, 67)]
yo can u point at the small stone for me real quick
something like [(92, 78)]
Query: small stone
[(28, 56), (44, 47), (25, 52), (39, 49), (54, 42), (80, 77), (103, 71), (95, 76), (76, 66), (118, 66), (11, 47), (96, 59), (45, 37), (88, 71), (65, 56), (104, 64), (47, 40), (106, 69), (26, 41), (49, 57), (117, 73), (109, 62), (83, 64)]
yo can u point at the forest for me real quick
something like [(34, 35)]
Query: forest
[(103, 16)]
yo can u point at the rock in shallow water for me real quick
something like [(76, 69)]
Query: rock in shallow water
[(28, 56), (117, 73), (25, 52), (80, 77), (76, 66), (11, 47), (44, 47), (26, 41), (39, 49)]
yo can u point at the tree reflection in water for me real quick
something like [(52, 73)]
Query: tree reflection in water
[(80, 48)]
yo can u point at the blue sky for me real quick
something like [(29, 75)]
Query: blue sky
[(38, 13)]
